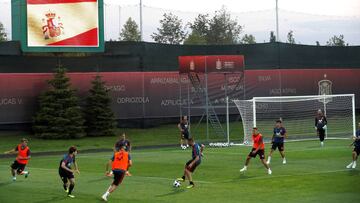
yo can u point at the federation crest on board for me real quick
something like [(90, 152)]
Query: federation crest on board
[(51, 25), (192, 65), (218, 64), (325, 88)]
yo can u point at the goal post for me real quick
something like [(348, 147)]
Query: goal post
[(298, 115)]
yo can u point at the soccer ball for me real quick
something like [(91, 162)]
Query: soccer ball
[(176, 184), (246, 142)]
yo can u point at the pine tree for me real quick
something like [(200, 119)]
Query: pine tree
[(59, 115), (130, 31), (100, 120)]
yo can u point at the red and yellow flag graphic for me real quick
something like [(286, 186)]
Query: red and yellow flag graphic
[(62, 23)]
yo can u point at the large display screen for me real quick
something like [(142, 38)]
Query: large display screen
[(62, 23)]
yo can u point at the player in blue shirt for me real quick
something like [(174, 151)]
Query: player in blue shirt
[(66, 172), (356, 150), (192, 164), (278, 141)]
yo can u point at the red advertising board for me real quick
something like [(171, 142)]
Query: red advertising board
[(159, 94)]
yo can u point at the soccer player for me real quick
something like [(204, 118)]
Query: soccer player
[(123, 142), (356, 150), (258, 149), (65, 171), (320, 126), (184, 132), (191, 165), (22, 158), (278, 141), (126, 143), (120, 163)]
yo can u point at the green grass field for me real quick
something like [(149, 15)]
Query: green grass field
[(313, 174), (162, 135)]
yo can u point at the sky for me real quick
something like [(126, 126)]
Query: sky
[(311, 20), (322, 7)]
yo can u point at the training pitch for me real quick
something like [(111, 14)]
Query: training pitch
[(312, 174)]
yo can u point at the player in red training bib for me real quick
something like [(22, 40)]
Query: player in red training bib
[(22, 159), (258, 149)]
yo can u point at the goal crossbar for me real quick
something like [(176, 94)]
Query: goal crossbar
[(299, 97)]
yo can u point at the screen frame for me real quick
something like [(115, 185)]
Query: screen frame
[(19, 31)]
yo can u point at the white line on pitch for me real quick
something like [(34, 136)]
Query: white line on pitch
[(292, 175)]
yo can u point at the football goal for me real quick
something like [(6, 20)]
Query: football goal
[(298, 115)]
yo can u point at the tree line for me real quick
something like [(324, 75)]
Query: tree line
[(206, 30)]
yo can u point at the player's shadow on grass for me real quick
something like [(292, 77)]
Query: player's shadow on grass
[(53, 199), (242, 177), (174, 192), (236, 179), (5, 183)]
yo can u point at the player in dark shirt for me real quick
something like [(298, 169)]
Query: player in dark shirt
[(123, 142), (356, 150), (184, 132), (278, 141), (66, 172), (192, 164), (320, 126), (22, 158)]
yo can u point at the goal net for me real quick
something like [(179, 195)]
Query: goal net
[(298, 115)]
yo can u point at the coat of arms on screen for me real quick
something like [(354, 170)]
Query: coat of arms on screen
[(52, 25), (325, 88)]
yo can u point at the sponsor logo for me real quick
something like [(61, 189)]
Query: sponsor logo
[(52, 26), (227, 65), (116, 88), (164, 81), (279, 91), (264, 78), (10, 101), (132, 100), (235, 79), (175, 102), (184, 80), (232, 87)]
